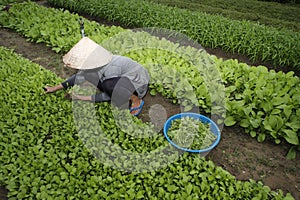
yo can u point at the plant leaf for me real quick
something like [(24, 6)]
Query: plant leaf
[(291, 137), (291, 154), (229, 121)]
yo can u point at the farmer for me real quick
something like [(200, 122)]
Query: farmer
[(121, 80)]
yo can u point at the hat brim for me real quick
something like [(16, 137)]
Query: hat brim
[(87, 54)]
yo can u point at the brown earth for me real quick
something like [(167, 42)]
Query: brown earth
[(237, 152)]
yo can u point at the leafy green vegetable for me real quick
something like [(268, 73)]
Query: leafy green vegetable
[(44, 157), (257, 41), (191, 133), (259, 100), (60, 30)]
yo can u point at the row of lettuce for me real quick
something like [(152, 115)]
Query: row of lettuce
[(263, 102), (258, 42), (50, 149)]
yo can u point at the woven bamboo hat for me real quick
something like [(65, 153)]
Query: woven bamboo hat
[(86, 54)]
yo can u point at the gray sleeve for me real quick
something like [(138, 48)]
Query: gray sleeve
[(113, 71)]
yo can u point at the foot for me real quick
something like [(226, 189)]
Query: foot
[(136, 107)]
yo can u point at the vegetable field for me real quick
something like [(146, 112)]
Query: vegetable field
[(43, 156), (259, 42)]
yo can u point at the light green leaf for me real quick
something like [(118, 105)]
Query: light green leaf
[(189, 188), (261, 137), (140, 195), (247, 110), (245, 123), (275, 111), (253, 134), (267, 125), (266, 106), (287, 111), (255, 122), (231, 190), (229, 121), (188, 108), (295, 124), (280, 100), (172, 188), (291, 137), (153, 92), (291, 154), (277, 141), (273, 122)]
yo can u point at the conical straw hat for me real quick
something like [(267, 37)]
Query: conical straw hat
[(87, 54)]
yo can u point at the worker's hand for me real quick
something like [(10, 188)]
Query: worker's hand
[(71, 96), (80, 97), (75, 96), (49, 89)]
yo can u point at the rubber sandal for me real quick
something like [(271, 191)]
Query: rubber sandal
[(138, 108)]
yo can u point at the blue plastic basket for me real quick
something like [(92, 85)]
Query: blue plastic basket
[(214, 128)]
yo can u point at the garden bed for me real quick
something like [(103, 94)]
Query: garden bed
[(237, 152), (241, 155)]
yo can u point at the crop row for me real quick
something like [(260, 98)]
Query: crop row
[(267, 13), (46, 155), (256, 41), (59, 33), (265, 103)]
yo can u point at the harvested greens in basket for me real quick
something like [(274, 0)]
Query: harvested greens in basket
[(191, 133)]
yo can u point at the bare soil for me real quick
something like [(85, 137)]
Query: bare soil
[(237, 152)]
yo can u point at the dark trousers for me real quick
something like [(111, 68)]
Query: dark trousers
[(118, 90)]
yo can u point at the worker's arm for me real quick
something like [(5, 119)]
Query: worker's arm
[(70, 82), (49, 89), (80, 97)]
